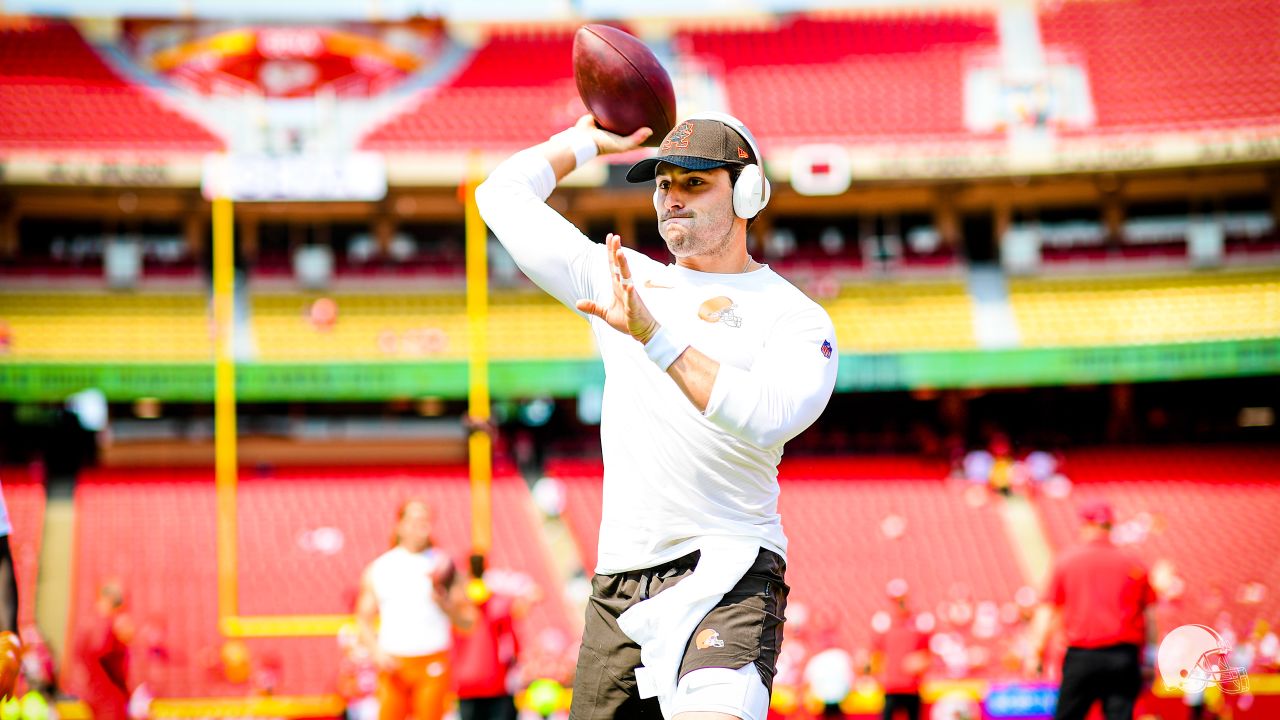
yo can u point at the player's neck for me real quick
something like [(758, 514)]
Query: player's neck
[(732, 260)]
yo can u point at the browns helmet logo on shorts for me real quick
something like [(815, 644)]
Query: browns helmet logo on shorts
[(708, 638)]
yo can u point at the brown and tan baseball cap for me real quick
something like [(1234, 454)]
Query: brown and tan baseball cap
[(696, 145)]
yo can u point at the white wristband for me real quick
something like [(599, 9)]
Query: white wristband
[(663, 348), (580, 141)]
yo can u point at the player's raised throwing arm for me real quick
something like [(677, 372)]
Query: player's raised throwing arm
[(548, 248)]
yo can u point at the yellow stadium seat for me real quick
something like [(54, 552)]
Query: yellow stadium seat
[(869, 317), (1142, 310), (106, 326), (531, 325), (901, 316), (522, 325)]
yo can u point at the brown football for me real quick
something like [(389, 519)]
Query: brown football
[(622, 83)]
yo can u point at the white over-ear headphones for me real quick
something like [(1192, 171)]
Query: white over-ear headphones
[(751, 191)]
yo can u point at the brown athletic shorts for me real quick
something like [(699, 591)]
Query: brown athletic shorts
[(744, 627)]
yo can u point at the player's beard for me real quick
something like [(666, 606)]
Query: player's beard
[(696, 235)]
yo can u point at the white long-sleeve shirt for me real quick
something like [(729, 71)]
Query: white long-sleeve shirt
[(673, 474)]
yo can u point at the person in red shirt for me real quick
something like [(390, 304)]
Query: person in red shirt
[(104, 654), (901, 655), (1099, 598), (483, 657)]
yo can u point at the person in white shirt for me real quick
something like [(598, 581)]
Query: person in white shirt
[(829, 677), (408, 601), (712, 363)]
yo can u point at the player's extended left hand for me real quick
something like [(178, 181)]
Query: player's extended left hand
[(627, 313)]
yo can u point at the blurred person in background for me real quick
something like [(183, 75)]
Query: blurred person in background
[(1099, 598), (408, 602), (829, 676), (976, 466), (1001, 449), (37, 662), (357, 676), (484, 656), (900, 656), (103, 652)]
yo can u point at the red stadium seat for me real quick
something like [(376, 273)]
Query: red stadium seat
[(583, 494), (517, 90), (1152, 64), (1173, 64), (888, 78), (155, 530), (56, 93)]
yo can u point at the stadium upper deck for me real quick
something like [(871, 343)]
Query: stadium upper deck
[(1149, 66), (882, 78), (1174, 64)]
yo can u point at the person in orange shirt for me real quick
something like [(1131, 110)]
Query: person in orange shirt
[(407, 605), (1099, 596)]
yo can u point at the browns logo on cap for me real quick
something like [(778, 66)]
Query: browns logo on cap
[(697, 144), (678, 138)]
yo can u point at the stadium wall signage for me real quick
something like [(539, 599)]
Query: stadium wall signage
[(376, 381), (813, 169), (987, 159), (353, 176), (171, 172)]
